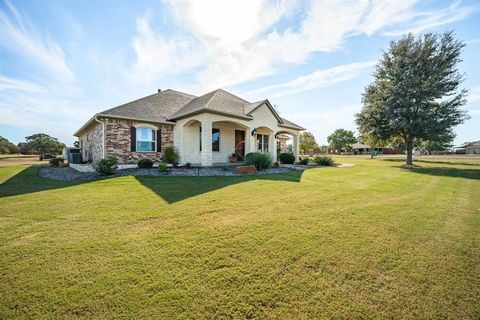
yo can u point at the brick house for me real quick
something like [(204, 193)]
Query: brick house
[(144, 127)]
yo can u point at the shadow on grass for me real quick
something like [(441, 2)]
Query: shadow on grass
[(437, 162), (173, 189), (169, 188), (447, 172), (28, 181)]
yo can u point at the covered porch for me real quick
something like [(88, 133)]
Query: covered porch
[(210, 141)]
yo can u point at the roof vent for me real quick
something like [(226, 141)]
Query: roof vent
[(159, 90)]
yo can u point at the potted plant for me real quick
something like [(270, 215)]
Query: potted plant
[(232, 158)]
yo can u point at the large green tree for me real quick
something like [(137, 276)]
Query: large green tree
[(7, 147), (307, 142), (341, 139), (415, 92), (42, 144)]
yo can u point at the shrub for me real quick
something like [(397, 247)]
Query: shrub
[(188, 165), (162, 167), (170, 155), (286, 157), (276, 164), (145, 163), (261, 160), (304, 161), (323, 161), (106, 166), (57, 161)]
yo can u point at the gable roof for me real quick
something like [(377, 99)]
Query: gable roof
[(217, 101), (290, 124), (168, 105), (156, 107)]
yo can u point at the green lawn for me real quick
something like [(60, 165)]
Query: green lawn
[(372, 241)]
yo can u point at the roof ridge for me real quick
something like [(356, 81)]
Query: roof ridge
[(124, 104), (211, 98)]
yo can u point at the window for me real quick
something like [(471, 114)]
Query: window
[(262, 142), (145, 140), (215, 139)]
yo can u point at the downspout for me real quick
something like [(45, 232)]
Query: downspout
[(103, 135)]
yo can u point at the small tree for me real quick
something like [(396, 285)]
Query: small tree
[(341, 139), (415, 94), (307, 142), (7, 147), (42, 143)]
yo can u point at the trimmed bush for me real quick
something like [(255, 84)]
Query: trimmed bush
[(162, 167), (170, 155), (56, 162), (145, 163), (323, 161), (106, 166), (304, 161), (286, 158), (261, 160), (188, 165)]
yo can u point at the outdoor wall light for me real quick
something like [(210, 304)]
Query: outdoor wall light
[(254, 131)]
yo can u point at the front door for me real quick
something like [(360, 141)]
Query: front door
[(240, 144)]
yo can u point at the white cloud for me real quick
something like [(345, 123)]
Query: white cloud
[(16, 33), (160, 57), (318, 79), (14, 84), (234, 42), (473, 41), (425, 20), (474, 95)]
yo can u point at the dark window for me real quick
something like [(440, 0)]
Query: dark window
[(262, 142), (215, 139)]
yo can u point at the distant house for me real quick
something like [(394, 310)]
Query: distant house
[(205, 129), (282, 143), (360, 148), (470, 147)]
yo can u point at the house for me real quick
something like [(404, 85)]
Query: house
[(360, 148), (470, 147), (282, 143), (144, 127)]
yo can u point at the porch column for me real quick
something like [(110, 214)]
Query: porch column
[(296, 146), (206, 154), (273, 146), (178, 140)]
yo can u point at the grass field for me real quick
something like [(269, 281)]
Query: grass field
[(371, 241)]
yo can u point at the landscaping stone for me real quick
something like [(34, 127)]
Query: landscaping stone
[(70, 174), (245, 169)]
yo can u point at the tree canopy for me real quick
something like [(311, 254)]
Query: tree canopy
[(6, 147), (415, 93), (307, 142), (43, 144), (341, 139)]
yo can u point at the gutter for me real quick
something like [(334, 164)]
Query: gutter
[(103, 134)]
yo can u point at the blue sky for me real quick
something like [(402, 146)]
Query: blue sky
[(63, 61)]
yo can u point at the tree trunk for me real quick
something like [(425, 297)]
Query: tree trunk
[(409, 144), (41, 155)]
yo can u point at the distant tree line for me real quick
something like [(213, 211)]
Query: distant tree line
[(40, 143)]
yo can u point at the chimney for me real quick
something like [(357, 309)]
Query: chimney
[(159, 90)]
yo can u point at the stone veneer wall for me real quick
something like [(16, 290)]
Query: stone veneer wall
[(118, 141), (92, 143)]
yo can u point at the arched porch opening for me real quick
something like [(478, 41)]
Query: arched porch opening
[(287, 141), (229, 141)]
